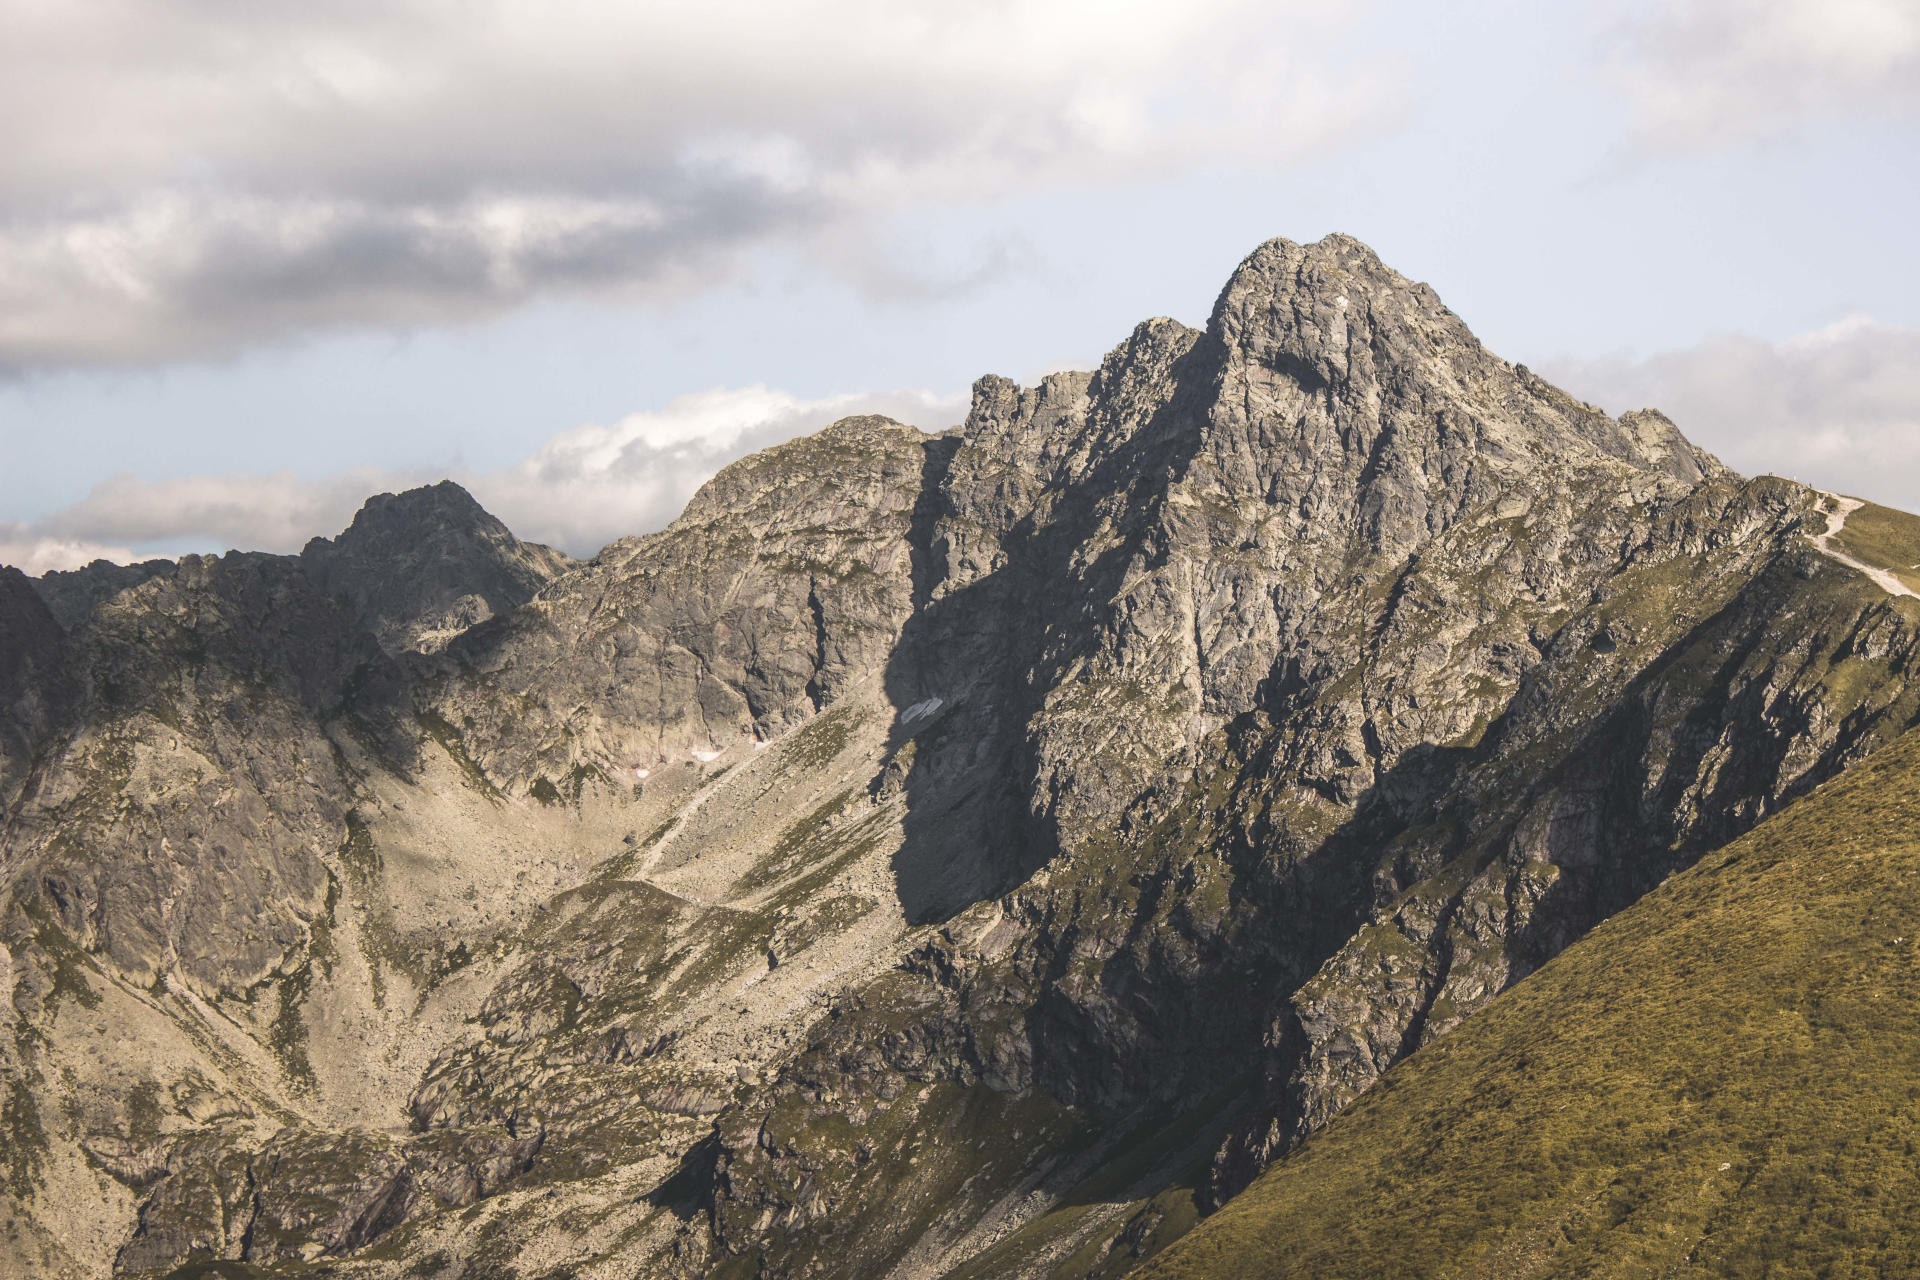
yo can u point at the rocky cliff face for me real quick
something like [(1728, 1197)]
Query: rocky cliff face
[(71, 594), (784, 584), (932, 855), (35, 691)]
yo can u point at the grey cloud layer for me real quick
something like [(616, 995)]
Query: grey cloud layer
[(190, 178), (1701, 73), (196, 177), (1838, 408)]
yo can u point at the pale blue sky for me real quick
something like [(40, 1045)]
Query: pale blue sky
[(1752, 228)]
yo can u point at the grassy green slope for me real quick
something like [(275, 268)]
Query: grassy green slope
[(1886, 539), (1722, 1080)]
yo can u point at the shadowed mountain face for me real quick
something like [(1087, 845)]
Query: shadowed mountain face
[(34, 688), (420, 567), (71, 594), (972, 854)]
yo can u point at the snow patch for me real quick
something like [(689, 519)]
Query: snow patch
[(921, 710), (640, 773), (705, 757)]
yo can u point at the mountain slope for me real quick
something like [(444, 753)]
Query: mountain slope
[(1115, 786), (1717, 1081), (178, 855), (34, 689), (1342, 690)]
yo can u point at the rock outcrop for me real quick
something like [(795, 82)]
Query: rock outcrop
[(785, 582)]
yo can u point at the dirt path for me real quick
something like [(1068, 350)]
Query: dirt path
[(1836, 521)]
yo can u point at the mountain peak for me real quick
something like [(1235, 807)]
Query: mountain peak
[(421, 566), (426, 509), (867, 428), (1363, 342), (1307, 299)]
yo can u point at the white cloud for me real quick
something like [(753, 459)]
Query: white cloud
[(1838, 407), (1704, 73), (34, 555), (192, 177), (276, 512), (580, 490), (585, 487)]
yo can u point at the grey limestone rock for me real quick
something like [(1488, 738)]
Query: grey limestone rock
[(787, 579)]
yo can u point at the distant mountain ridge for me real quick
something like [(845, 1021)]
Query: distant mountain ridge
[(420, 567), (72, 594), (968, 854), (417, 568)]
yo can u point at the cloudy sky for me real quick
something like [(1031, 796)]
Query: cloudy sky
[(260, 259)]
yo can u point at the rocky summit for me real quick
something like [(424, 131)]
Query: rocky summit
[(976, 854)]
